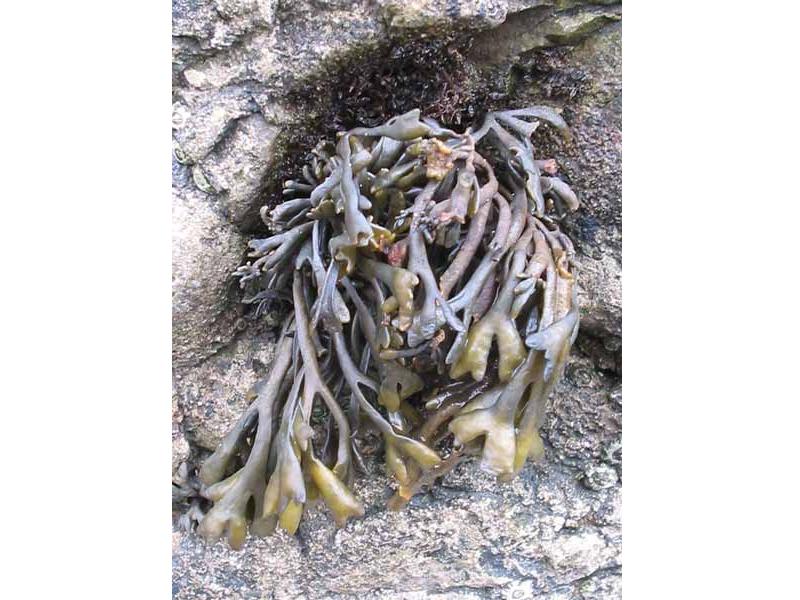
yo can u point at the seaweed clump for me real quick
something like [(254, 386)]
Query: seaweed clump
[(434, 305)]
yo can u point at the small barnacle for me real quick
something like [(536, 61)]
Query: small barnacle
[(201, 181), (408, 256), (180, 155)]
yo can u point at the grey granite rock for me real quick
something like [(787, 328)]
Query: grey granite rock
[(542, 534), (206, 247), (212, 394), (255, 82)]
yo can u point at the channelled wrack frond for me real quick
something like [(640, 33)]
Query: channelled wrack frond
[(435, 304)]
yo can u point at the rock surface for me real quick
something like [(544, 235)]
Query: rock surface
[(255, 83), (543, 535)]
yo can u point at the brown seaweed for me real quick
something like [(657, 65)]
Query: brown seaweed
[(411, 260)]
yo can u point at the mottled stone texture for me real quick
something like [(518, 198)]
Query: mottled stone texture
[(255, 82)]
